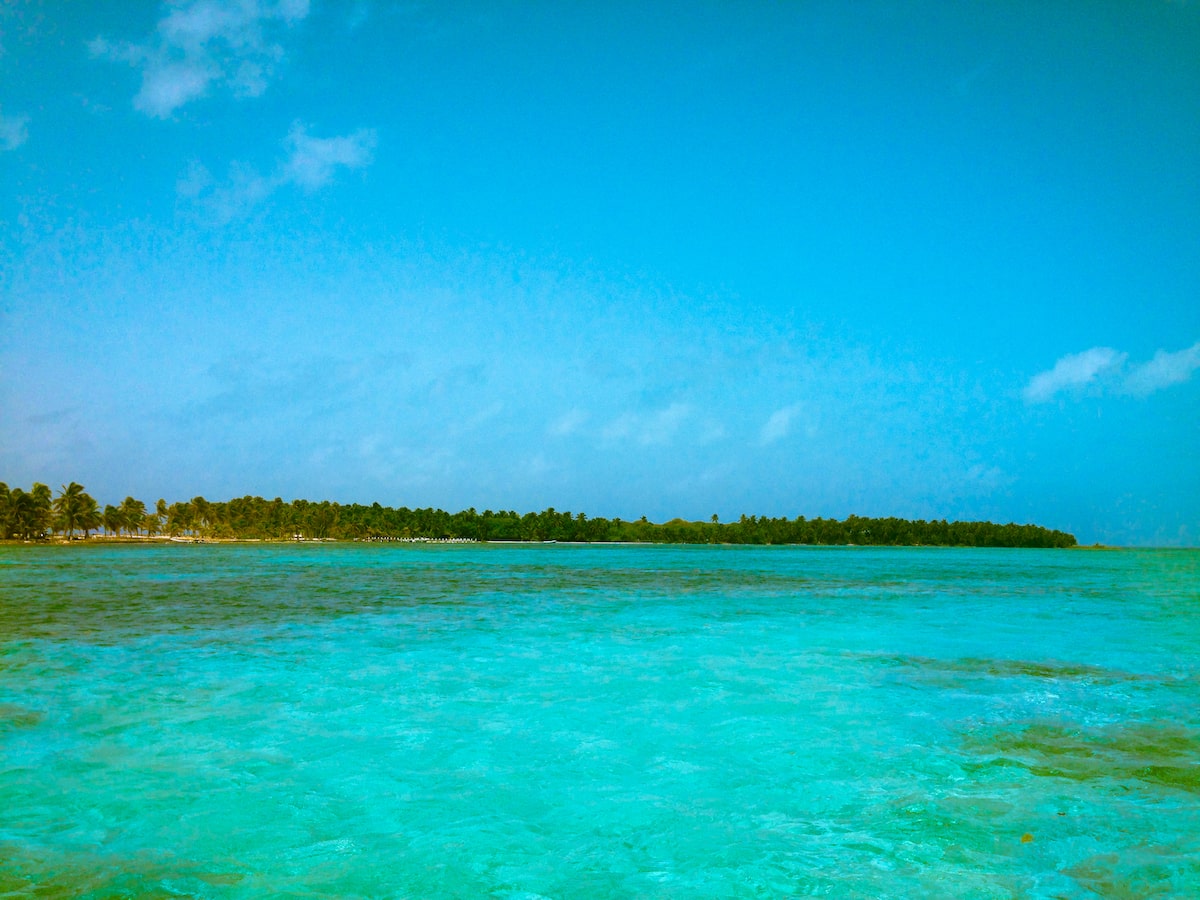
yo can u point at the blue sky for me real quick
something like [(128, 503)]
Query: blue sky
[(884, 258)]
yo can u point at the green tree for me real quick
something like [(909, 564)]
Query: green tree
[(179, 518), (133, 514), (20, 515), (151, 523), (68, 506), (202, 514), (21, 519), (41, 508), (89, 514)]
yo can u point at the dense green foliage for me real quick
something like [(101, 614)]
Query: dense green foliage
[(24, 514), (30, 515)]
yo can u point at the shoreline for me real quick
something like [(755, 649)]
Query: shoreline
[(158, 540)]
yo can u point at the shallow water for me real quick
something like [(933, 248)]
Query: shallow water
[(568, 721)]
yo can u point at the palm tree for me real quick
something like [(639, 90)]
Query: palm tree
[(41, 508), (18, 507), (201, 514), (112, 519), (179, 518), (152, 524), (5, 511), (23, 513), (68, 506), (133, 512), (89, 515)]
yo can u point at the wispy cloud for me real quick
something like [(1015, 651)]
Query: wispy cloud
[(202, 44), (1105, 367), (14, 131), (778, 425), (568, 423), (309, 163), (1164, 370), (653, 428), (1073, 371)]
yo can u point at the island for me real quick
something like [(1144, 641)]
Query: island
[(37, 515)]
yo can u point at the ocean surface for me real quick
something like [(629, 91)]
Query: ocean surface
[(563, 721)]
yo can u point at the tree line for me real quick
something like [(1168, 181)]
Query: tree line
[(37, 515)]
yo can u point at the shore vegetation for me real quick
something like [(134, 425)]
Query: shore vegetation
[(74, 514)]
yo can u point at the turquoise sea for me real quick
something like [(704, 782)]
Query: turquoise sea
[(562, 721)]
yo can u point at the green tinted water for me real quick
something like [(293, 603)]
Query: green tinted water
[(560, 721)]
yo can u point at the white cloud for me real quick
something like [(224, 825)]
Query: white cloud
[(1073, 371), (1164, 370), (312, 161), (568, 423), (309, 163), (14, 131), (712, 430), (655, 428), (171, 86), (660, 427), (987, 479), (195, 181), (234, 198), (1104, 366), (778, 425), (201, 44)]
